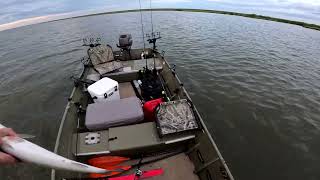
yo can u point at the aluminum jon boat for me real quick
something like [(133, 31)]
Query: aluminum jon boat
[(129, 112)]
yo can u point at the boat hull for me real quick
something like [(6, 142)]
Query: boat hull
[(202, 150)]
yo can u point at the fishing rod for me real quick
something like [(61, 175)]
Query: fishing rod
[(142, 31)]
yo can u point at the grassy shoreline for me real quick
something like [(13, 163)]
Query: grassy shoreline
[(255, 16)]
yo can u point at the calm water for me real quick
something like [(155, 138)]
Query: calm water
[(256, 84)]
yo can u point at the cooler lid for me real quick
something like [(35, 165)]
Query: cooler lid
[(100, 87)]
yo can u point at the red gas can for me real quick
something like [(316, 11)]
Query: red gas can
[(149, 109)]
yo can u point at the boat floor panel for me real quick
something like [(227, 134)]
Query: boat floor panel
[(126, 90), (175, 167)]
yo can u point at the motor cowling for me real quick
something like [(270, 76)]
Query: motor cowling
[(125, 40)]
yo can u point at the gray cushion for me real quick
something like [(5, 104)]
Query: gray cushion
[(114, 113)]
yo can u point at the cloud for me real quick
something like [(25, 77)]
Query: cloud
[(307, 5), (311, 4), (247, 2), (12, 10), (46, 18), (302, 2), (15, 10), (298, 6), (171, 1)]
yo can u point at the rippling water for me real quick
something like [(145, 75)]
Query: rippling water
[(255, 82)]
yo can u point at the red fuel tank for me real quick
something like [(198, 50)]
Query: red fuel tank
[(149, 109)]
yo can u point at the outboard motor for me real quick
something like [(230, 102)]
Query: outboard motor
[(125, 41)]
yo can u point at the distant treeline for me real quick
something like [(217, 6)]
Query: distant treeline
[(299, 23)]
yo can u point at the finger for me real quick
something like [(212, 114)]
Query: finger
[(7, 132), (4, 132), (11, 132), (7, 159)]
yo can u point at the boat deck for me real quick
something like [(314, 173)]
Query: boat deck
[(175, 167)]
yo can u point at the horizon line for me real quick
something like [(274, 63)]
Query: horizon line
[(87, 13)]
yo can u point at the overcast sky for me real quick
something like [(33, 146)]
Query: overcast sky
[(306, 10)]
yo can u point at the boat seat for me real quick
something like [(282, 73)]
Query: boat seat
[(102, 59), (125, 140), (108, 114), (136, 65), (107, 67)]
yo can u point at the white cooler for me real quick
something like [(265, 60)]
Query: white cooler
[(105, 89)]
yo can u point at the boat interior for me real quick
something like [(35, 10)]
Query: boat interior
[(130, 103)]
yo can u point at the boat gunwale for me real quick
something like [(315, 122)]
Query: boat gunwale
[(60, 132), (62, 122)]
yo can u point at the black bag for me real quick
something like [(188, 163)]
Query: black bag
[(151, 87)]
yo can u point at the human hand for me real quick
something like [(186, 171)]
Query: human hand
[(6, 158)]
